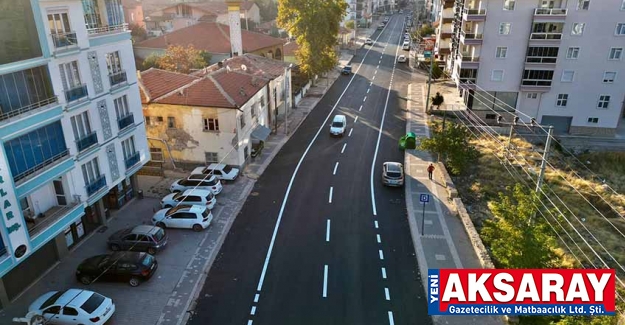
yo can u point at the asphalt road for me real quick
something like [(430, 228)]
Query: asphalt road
[(325, 256)]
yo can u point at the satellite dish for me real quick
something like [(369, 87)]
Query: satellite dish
[(243, 67)]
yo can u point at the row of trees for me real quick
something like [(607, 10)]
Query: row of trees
[(178, 58)]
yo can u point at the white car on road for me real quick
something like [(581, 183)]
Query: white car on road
[(73, 307), (401, 59), (194, 217), (205, 183), (191, 197), (338, 126), (221, 171)]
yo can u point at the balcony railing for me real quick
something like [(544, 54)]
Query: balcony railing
[(117, 78), (546, 36), (108, 29), (87, 141), (468, 11), (472, 36), (536, 82), (540, 59), (76, 93), (38, 224), (550, 12), (28, 108), (41, 166), (468, 58), (96, 185), (64, 41), (124, 122), (468, 81), (132, 160)]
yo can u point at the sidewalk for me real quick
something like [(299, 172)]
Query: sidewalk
[(444, 243)]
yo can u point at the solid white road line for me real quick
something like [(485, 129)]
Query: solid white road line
[(330, 198), (383, 273), (256, 297), (390, 318), (360, 109), (350, 132), (335, 168), (263, 273), (328, 231), (387, 294), (378, 238), (381, 254), (253, 311), (344, 146), (325, 281), (356, 119), (376, 224)]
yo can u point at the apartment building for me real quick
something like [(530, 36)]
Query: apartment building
[(558, 61), (71, 129)]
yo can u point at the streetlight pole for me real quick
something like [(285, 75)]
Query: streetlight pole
[(287, 96), (427, 99)]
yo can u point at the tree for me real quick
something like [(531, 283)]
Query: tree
[(268, 9), (137, 32), (516, 238), (207, 57), (452, 146), (438, 100), (315, 26), (151, 61), (182, 59), (349, 24), (426, 30), (437, 72)]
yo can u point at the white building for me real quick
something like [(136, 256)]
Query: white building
[(558, 61), (71, 128)]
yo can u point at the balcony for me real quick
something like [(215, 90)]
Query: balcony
[(536, 82), (132, 160), (111, 29), (550, 14), (64, 41), (24, 109), (546, 36), (41, 166), (473, 14), (96, 185), (466, 57), (541, 59), (117, 78), (471, 38), (37, 224), (124, 122), (76, 93), (87, 141)]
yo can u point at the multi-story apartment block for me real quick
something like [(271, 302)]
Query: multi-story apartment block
[(557, 61), (71, 129)]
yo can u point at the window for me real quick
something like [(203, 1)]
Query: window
[(491, 116), (81, 125), (496, 75), (567, 76), (541, 54), (620, 29), (532, 95), (615, 53), (583, 4), (578, 29), (70, 75), (91, 171), (253, 110), (149, 121), (171, 122), (128, 147), (537, 77), (262, 99), (502, 51), (92, 13), (211, 157), (70, 311), (562, 100), (609, 76), (604, 102), (508, 4), (572, 53), (242, 120), (211, 124), (20, 40), (623, 5), (60, 29), (594, 120), (504, 28), (113, 62), (121, 107)]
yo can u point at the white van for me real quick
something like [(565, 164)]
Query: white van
[(339, 123), (406, 46)]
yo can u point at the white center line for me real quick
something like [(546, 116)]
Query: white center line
[(256, 297), (356, 119), (350, 132), (325, 281), (330, 198), (381, 56), (360, 109), (390, 318), (378, 238), (328, 231), (379, 61), (336, 166), (373, 78), (383, 273), (368, 90), (253, 312), (249, 322), (364, 99), (381, 254), (376, 71), (377, 67), (376, 224), (344, 146), (387, 294)]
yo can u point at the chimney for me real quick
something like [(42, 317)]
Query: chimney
[(234, 18)]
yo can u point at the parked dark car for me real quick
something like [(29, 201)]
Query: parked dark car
[(142, 238), (131, 267), (347, 70)]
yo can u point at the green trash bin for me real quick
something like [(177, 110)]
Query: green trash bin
[(411, 141)]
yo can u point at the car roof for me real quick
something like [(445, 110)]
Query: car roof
[(126, 256), (216, 166), (339, 117), (73, 297), (196, 191), (144, 229), (188, 208)]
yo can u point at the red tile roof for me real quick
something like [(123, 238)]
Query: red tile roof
[(156, 83), (290, 48), (202, 92), (254, 65), (210, 37)]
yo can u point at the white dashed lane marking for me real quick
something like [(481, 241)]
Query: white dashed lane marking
[(381, 254), (336, 166), (330, 197), (383, 273), (344, 146)]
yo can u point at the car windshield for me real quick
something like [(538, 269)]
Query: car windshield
[(175, 209), (160, 233), (227, 169), (92, 303), (393, 174), (211, 182), (178, 195), (52, 299), (337, 124), (210, 196), (205, 213), (148, 260)]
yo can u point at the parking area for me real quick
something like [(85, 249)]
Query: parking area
[(167, 295)]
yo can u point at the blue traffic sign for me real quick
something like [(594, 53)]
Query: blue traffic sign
[(424, 198)]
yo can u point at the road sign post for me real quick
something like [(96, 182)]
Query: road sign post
[(424, 199)]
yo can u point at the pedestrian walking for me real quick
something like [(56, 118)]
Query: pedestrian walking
[(430, 170)]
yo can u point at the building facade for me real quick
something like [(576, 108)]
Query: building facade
[(557, 61), (71, 129)]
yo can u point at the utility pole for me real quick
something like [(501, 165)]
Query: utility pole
[(543, 163), (427, 98)]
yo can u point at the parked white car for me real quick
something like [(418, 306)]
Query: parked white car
[(210, 183), (369, 41), (192, 197), (221, 171), (194, 217), (74, 306), (401, 59), (338, 126)]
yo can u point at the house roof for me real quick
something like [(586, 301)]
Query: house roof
[(156, 83), (267, 25), (210, 37), (290, 48), (250, 64)]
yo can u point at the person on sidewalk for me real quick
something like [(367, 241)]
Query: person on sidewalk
[(430, 170)]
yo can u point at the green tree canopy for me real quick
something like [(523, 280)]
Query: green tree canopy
[(349, 24), (451, 145), (315, 26)]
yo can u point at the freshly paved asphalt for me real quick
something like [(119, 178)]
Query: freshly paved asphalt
[(357, 291)]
